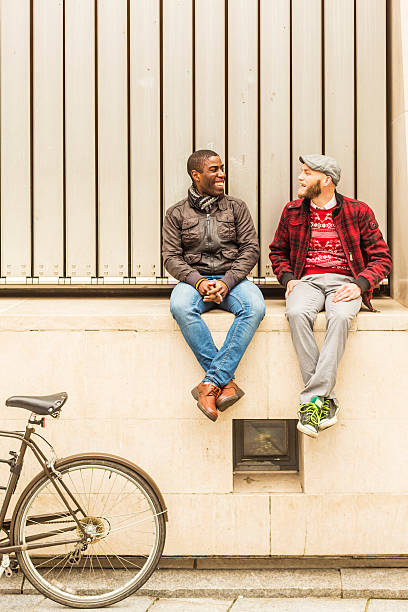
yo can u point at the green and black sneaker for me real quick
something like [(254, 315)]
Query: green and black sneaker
[(328, 413), (309, 417)]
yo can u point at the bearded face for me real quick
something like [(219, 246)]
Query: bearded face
[(310, 190)]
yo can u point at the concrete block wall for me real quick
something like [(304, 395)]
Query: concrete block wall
[(128, 373)]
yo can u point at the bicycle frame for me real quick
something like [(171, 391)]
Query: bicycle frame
[(16, 464)]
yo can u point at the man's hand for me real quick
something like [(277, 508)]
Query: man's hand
[(347, 292), (205, 287), (290, 287), (217, 292)]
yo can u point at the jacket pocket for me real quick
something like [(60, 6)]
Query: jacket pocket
[(192, 258), (226, 226), (230, 253), (190, 231)]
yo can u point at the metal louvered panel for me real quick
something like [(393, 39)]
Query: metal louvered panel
[(15, 139), (371, 158), (112, 81), (80, 138), (275, 121), (94, 146), (48, 191), (145, 188)]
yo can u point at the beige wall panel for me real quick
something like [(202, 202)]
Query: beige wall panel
[(112, 138), (306, 81), (243, 102), (275, 121), (145, 136), (80, 137), (352, 524), (234, 525), (371, 106), (15, 138), (48, 138), (339, 88), (177, 98), (399, 147), (399, 58), (378, 470), (210, 76)]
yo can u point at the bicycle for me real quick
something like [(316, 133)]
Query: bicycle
[(89, 529)]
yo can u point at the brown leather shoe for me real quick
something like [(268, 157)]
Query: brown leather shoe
[(206, 394), (230, 394)]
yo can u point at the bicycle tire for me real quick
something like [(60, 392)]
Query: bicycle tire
[(59, 575)]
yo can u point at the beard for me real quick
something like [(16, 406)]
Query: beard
[(313, 191)]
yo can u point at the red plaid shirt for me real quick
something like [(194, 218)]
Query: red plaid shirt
[(367, 252)]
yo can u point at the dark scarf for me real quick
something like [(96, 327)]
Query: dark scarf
[(199, 202)]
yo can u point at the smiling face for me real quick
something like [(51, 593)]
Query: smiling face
[(210, 181), (311, 182)]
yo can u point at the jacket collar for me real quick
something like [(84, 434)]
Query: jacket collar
[(305, 203)]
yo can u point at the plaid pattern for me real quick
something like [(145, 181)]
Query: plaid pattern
[(366, 251)]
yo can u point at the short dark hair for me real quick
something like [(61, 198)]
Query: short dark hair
[(197, 159)]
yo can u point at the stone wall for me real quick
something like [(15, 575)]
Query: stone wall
[(128, 373)]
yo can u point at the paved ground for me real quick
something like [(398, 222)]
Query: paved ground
[(34, 603), (297, 590)]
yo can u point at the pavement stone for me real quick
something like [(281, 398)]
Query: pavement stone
[(382, 605), (375, 583), (22, 603), (191, 605), (254, 583), (311, 604), (131, 604), (13, 585), (32, 603)]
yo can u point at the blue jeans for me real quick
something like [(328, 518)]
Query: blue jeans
[(245, 301)]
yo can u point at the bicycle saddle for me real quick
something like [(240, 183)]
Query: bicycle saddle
[(43, 405)]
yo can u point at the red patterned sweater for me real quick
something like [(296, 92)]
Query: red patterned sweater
[(325, 251)]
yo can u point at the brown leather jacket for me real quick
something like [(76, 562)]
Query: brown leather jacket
[(196, 245)]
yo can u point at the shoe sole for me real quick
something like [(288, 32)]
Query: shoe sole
[(229, 401), (307, 432), (196, 395), (328, 423)]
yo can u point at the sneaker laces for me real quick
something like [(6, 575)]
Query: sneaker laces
[(324, 410), (311, 412)]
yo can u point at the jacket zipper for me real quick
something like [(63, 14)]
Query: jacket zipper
[(208, 240), (308, 237), (347, 251)]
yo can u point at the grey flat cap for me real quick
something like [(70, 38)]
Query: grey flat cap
[(322, 163)]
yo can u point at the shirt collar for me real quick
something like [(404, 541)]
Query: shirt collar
[(330, 204)]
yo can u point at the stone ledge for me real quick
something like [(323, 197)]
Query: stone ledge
[(225, 583), (376, 583), (261, 583), (152, 314), (232, 583)]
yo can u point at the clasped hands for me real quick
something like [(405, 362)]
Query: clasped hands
[(213, 290)]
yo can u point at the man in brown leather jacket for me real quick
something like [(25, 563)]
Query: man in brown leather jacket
[(210, 245)]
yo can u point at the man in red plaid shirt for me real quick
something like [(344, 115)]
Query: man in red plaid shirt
[(329, 254)]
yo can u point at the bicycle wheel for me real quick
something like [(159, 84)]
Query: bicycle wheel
[(125, 527)]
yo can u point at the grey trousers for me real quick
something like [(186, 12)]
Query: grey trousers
[(313, 294)]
